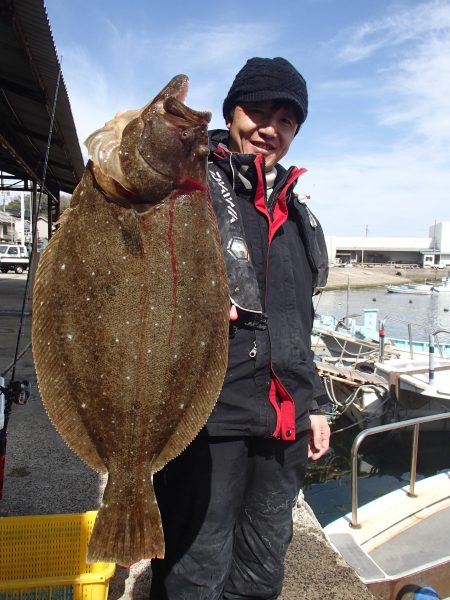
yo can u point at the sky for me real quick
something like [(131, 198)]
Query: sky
[(376, 143)]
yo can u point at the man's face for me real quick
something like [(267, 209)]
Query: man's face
[(266, 128)]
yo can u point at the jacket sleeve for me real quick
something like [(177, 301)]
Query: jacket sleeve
[(314, 241), (320, 403)]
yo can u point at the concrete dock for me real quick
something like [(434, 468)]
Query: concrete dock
[(42, 476), (361, 276)]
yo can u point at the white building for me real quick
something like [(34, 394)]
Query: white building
[(7, 227), (427, 251), (14, 230)]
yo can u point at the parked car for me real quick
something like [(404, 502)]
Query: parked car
[(13, 257)]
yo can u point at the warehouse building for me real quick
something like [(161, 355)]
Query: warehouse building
[(431, 251)]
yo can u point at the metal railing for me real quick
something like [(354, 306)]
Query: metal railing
[(380, 429), (433, 340)]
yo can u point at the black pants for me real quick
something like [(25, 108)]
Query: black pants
[(226, 506)]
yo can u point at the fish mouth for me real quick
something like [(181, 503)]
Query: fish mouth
[(175, 90), (171, 99), (177, 87), (179, 114), (173, 104)]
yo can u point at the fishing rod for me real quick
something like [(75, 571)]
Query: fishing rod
[(18, 392), (34, 217)]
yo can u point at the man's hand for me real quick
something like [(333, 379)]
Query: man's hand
[(319, 436)]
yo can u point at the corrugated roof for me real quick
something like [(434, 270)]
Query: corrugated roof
[(29, 70)]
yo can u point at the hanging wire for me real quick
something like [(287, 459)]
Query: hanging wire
[(47, 151), (34, 219)]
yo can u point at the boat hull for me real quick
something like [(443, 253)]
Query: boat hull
[(422, 290), (402, 540), (416, 393)]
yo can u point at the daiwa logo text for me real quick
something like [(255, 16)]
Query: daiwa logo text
[(225, 195)]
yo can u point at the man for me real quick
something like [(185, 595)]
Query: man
[(226, 501)]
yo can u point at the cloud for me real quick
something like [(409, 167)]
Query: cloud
[(387, 101), (409, 67), (396, 28), (119, 78), (89, 92), (420, 92), (409, 51), (396, 178), (216, 46), (398, 192)]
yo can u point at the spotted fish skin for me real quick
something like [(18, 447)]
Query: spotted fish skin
[(130, 316)]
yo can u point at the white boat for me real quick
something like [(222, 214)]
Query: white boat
[(358, 395), (424, 289), (388, 385), (399, 542), (417, 347), (345, 339), (444, 287), (420, 388), (343, 344), (397, 389)]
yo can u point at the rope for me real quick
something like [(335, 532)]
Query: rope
[(339, 408)]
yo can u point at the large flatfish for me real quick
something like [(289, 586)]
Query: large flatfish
[(130, 313)]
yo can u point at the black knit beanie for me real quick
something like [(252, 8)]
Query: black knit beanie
[(268, 79)]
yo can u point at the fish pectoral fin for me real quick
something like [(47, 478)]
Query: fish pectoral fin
[(126, 532)]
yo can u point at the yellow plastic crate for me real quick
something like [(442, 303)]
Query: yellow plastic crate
[(44, 558)]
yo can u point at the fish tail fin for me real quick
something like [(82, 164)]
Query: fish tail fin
[(126, 532)]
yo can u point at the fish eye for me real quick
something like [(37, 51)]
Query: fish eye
[(185, 135)]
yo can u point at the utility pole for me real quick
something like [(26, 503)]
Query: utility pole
[(362, 249), (22, 217)]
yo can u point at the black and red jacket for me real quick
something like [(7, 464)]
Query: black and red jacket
[(276, 256)]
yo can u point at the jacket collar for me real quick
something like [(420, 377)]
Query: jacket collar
[(233, 162)]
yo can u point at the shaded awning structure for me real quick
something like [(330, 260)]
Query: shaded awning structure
[(29, 70)]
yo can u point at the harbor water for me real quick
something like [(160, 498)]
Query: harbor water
[(426, 314), (384, 459), (384, 466)]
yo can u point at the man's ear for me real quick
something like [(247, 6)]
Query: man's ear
[(229, 118)]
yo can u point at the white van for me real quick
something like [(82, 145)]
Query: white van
[(13, 257)]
